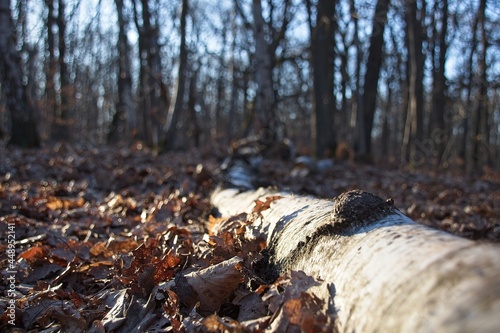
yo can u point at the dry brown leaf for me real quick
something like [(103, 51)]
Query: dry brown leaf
[(122, 246), (214, 323), (55, 203), (33, 254), (251, 306), (232, 224), (296, 309), (100, 249), (261, 206), (216, 283)]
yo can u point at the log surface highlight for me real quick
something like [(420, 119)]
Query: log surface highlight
[(381, 271)]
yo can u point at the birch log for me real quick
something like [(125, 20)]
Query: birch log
[(382, 272)]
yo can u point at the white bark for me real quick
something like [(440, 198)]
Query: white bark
[(381, 271)]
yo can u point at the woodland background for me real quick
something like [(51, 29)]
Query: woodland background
[(412, 83), (116, 117)]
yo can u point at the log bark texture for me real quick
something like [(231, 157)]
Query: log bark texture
[(382, 272)]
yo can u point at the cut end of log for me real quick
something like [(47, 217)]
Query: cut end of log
[(357, 209)]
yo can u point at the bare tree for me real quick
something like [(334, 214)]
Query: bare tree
[(366, 110), (439, 133), (345, 33), (251, 69), (23, 132), (62, 129), (478, 157), (152, 92), (124, 124), (59, 90), (357, 102), (176, 110), (221, 84), (268, 35), (195, 129), (322, 62), (51, 101), (414, 127), (264, 100), (234, 72)]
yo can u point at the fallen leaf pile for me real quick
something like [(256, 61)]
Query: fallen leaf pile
[(124, 240), (119, 240)]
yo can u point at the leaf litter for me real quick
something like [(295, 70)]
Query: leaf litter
[(125, 240)]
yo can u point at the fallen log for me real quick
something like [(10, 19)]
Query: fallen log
[(382, 272)]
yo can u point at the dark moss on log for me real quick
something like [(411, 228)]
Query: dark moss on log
[(357, 209)]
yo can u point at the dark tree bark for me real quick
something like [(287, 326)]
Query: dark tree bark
[(322, 50), (385, 137), (221, 89), (402, 83), (51, 103), (176, 110), (152, 92), (468, 86), (356, 105), (59, 102), (366, 111), (440, 133), (23, 132), (62, 130), (414, 128), (478, 156), (235, 82), (342, 122), (264, 99), (195, 129), (124, 124)]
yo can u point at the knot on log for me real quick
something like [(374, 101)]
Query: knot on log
[(301, 233), (357, 209)]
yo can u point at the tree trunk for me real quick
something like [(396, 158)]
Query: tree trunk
[(385, 137), (468, 86), (51, 103), (414, 129), (342, 122), (176, 110), (370, 88), (233, 70), (440, 134), (151, 89), (194, 127), (63, 126), (381, 271), (356, 118), (124, 124), (322, 46), (24, 132), (59, 100), (264, 100), (478, 156), (220, 106)]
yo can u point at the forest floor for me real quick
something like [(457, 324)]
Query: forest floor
[(117, 239)]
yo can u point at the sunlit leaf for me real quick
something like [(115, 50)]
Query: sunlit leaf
[(261, 206)]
